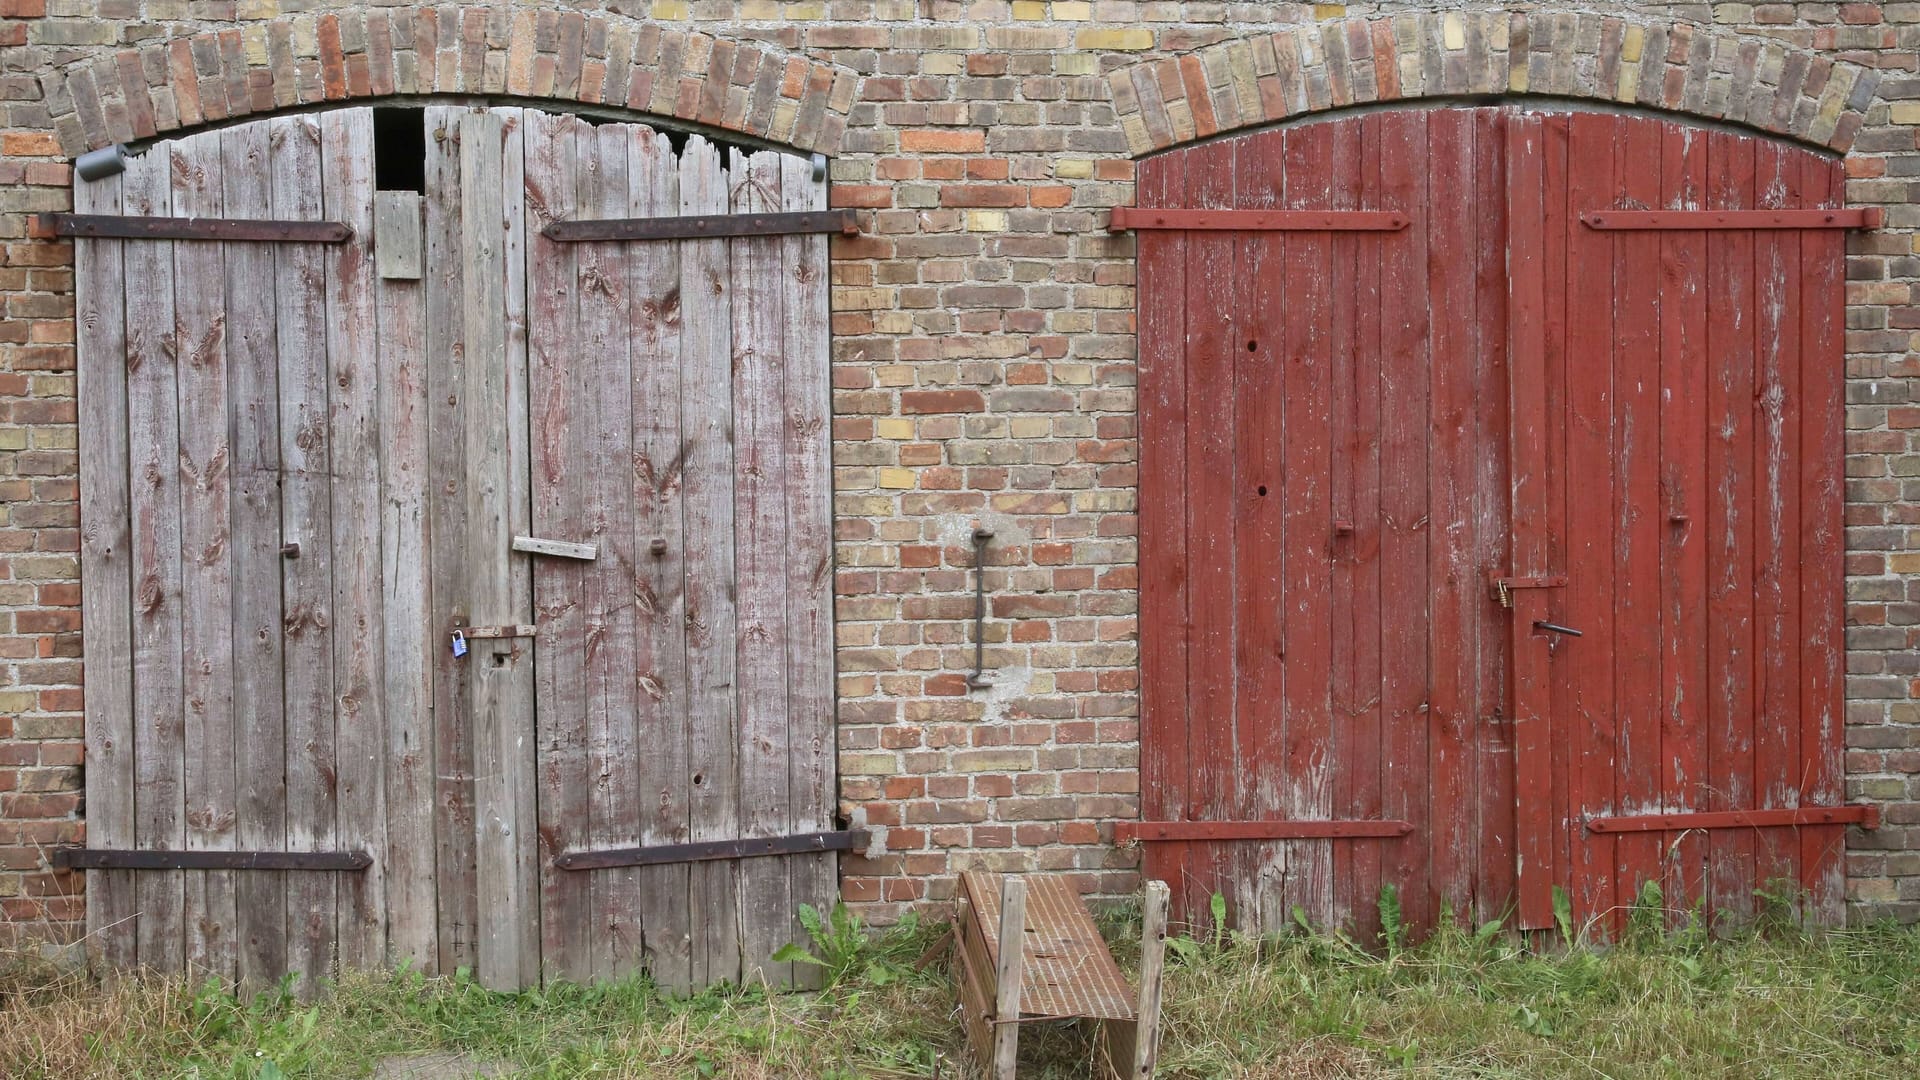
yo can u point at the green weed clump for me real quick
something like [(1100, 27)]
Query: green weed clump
[(1465, 1002)]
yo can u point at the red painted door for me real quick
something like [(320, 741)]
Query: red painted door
[(1389, 472)]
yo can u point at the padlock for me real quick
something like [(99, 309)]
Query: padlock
[(459, 644)]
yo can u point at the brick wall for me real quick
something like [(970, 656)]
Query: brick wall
[(983, 352)]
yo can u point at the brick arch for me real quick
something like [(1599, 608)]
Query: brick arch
[(309, 59), (1681, 67)]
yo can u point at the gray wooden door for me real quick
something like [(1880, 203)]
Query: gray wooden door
[(663, 401)]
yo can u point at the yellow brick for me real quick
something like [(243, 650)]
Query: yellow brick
[(760, 10), (13, 438), (1073, 169), (893, 427), (1130, 40), (258, 9), (943, 64), (869, 764), (896, 478), (1329, 11), (1631, 45), (669, 9), (1076, 64), (1517, 77), (892, 322), (1072, 10), (1029, 10), (1907, 562), (1454, 31), (1073, 374), (17, 701), (810, 11), (893, 375), (1906, 112), (1030, 427), (986, 221)]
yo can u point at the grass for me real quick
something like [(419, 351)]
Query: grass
[(1661, 1004)]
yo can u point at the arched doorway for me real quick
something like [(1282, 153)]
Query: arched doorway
[(457, 590), (1491, 517)]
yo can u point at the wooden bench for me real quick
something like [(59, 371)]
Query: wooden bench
[(1028, 950)]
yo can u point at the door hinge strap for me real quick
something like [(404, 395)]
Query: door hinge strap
[(703, 226), (119, 859), (127, 227), (1870, 217), (1501, 587), (1148, 831), (1867, 817), (1149, 217), (711, 850)]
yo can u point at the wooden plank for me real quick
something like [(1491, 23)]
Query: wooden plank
[(1822, 543), (1129, 831), (399, 252), (306, 515), (1364, 755), (359, 625), (807, 394), (1685, 492), (192, 226), (1731, 400), (1405, 522), (1584, 696), (1153, 955), (499, 671), (1450, 149), (706, 226), (660, 636), (536, 545), (706, 418), (1776, 747), (456, 832), (1341, 219), (1008, 976), (1731, 218), (1794, 817), (411, 637), (760, 569), (1306, 789), (1162, 259), (1564, 741), (1638, 536), (562, 384), (1535, 873), (153, 439), (106, 581), (259, 690), (1211, 485)]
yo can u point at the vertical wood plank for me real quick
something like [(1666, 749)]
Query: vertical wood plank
[(1011, 970), (1162, 259), (560, 151), (499, 670), (1723, 759), (259, 691), (1685, 492), (660, 636), (1562, 653), (807, 397), (153, 434), (513, 430), (206, 577), (359, 629), (106, 581), (306, 583), (456, 894), (1366, 698), (760, 568), (1585, 695), (706, 416), (405, 569)]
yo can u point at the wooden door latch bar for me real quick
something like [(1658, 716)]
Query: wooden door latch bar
[(1500, 586), (1146, 217), (126, 227), (1865, 816), (1870, 217), (703, 226), (712, 850), (118, 859), (1147, 831), (564, 549)]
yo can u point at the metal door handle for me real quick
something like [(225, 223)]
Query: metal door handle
[(1556, 628)]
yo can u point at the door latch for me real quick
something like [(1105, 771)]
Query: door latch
[(1502, 588), (1556, 628)]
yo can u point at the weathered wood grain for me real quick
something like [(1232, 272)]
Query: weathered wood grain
[(398, 248)]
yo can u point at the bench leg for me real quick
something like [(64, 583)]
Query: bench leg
[(1012, 967)]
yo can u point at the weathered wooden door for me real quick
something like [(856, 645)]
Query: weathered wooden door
[(1409, 422), (308, 463)]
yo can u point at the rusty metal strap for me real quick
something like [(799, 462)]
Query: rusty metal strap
[(119, 227), (1258, 830), (1867, 817), (710, 850), (1146, 217), (703, 226), (1870, 217), (116, 859)]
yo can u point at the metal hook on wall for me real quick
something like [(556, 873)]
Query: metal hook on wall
[(981, 534)]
